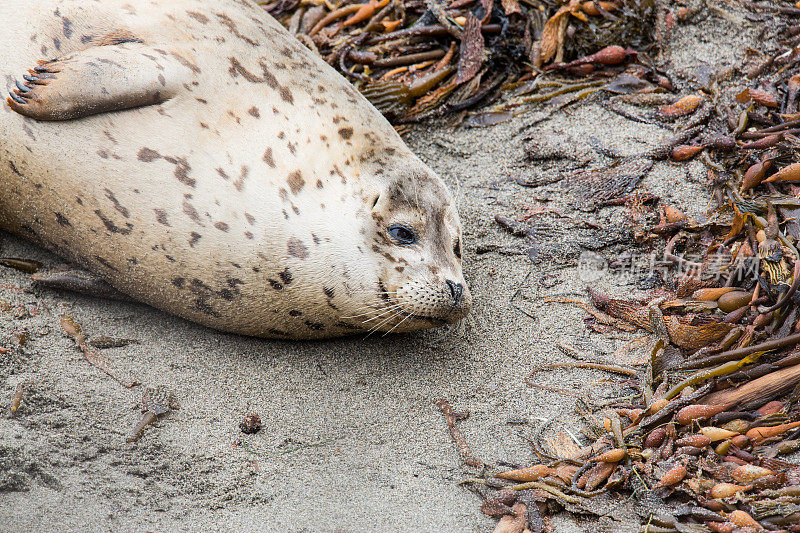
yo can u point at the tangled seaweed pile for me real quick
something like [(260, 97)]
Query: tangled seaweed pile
[(418, 58), (696, 441)]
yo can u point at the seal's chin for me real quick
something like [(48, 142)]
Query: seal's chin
[(411, 321), (450, 316)]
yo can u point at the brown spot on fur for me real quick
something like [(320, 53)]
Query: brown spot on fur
[(319, 184), (182, 169), (248, 234), (194, 238), (62, 220), (27, 129), (250, 218), (161, 216), (266, 77), (14, 169), (268, 158), (239, 183), (231, 25), (110, 226), (296, 248), (253, 112), (67, 27), (378, 250), (202, 305), (103, 154), (295, 181), (275, 285), (328, 291), (286, 276), (118, 206), (192, 212), (178, 282), (315, 325), (221, 226), (147, 155), (199, 17), (203, 293), (339, 173), (295, 313), (106, 263), (226, 294), (186, 63)]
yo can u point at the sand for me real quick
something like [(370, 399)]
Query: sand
[(351, 440)]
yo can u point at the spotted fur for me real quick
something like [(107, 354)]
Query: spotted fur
[(200, 159)]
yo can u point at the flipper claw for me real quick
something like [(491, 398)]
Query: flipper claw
[(16, 98), (22, 88), (39, 77)]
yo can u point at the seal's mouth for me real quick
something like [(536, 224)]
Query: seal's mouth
[(435, 321)]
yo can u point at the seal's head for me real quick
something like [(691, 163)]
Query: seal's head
[(415, 237)]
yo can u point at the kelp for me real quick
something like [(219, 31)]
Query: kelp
[(420, 58)]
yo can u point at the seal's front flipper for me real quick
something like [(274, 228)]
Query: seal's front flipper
[(77, 280), (102, 78)]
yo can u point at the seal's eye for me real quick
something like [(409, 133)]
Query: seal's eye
[(457, 249), (402, 234)]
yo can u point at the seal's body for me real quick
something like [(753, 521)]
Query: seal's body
[(201, 160)]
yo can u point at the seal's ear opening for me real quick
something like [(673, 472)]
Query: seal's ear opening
[(375, 201)]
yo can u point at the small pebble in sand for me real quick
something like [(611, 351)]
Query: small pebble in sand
[(251, 424), (16, 400)]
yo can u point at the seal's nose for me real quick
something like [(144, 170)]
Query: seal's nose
[(456, 291)]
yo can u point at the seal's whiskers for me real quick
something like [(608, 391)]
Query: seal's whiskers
[(397, 325)]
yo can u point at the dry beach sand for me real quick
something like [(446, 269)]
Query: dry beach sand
[(351, 440)]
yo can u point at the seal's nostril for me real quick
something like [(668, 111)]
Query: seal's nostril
[(456, 290)]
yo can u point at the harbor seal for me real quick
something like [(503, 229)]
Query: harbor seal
[(200, 159)]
